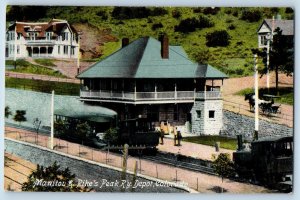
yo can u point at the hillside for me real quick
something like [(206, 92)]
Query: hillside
[(103, 27)]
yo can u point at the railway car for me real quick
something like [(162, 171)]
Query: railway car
[(268, 161), (138, 132)]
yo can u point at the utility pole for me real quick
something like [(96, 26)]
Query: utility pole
[(255, 137), (78, 53), (268, 61), (52, 120), (15, 46)]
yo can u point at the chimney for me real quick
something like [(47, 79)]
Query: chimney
[(125, 42), (164, 46)]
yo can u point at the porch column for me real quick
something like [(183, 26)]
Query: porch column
[(195, 81), (90, 88), (31, 51), (111, 87), (46, 51), (39, 51), (122, 88), (135, 90), (175, 89), (155, 91), (212, 84)]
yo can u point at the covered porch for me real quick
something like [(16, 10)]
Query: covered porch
[(149, 90)]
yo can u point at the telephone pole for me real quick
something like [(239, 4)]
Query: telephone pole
[(255, 137)]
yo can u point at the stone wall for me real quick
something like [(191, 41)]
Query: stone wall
[(197, 119), (213, 126), (235, 124), (85, 170), (203, 124)]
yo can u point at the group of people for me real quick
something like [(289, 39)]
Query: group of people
[(177, 137)]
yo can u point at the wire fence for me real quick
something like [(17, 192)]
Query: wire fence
[(172, 174), (245, 109)]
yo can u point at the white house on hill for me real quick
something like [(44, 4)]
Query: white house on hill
[(266, 30), (53, 39)]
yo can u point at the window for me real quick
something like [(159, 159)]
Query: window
[(211, 114), (73, 50), (65, 36), (65, 49), (198, 112), (263, 40), (58, 50), (18, 49)]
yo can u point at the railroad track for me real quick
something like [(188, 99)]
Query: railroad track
[(160, 158)]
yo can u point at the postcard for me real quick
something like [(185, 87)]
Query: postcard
[(149, 99)]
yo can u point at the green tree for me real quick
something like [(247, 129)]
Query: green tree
[(281, 55), (53, 174), (60, 128), (82, 130), (20, 116), (7, 112), (223, 166), (111, 136)]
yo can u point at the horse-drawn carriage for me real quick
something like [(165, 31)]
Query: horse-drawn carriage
[(266, 105)]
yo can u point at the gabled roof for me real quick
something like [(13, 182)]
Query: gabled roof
[(142, 59), (287, 26), (54, 25)]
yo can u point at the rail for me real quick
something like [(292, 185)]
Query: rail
[(152, 96), (282, 118)]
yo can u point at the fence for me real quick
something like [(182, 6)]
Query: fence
[(172, 174), (245, 109)]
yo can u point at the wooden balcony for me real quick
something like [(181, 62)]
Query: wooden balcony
[(148, 97)]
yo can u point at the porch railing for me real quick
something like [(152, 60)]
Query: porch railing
[(150, 96)]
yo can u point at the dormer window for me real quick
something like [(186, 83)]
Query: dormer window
[(48, 35)]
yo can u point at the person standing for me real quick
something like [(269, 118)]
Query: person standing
[(175, 136)]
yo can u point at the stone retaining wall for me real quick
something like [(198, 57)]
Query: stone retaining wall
[(85, 170), (235, 124)]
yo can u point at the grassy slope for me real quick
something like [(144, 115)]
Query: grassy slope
[(235, 60), (24, 66), (43, 86)]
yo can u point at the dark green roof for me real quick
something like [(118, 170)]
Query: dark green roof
[(142, 59)]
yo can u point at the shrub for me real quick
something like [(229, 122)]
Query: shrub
[(102, 14), (251, 15), (289, 10), (197, 10), (157, 26), (211, 11), (217, 38), (136, 12), (231, 27), (176, 14), (190, 24)]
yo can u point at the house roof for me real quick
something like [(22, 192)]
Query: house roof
[(142, 59), (287, 26), (54, 25)]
